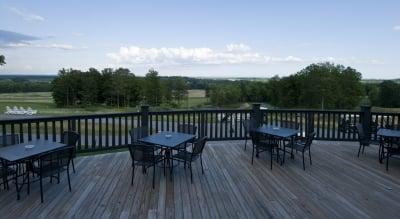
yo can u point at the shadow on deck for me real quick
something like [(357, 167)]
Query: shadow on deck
[(338, 184)]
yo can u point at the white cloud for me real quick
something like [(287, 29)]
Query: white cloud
[(26, 15), (44, 46), (237, 47), (396, 28), (234, 54)]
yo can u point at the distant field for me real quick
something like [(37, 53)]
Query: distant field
[(197, 93), (43, 102)]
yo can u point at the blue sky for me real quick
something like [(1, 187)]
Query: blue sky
[(200, 38)]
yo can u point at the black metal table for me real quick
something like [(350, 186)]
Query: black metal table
[(21, 152), (168, 141), (277, 131), (388, 134), (280, 133)]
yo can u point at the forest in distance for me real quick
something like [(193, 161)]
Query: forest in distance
[(318, 86)]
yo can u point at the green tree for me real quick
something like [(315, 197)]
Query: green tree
[(152, 88), (389, 94), (180, 89), (2, 60)]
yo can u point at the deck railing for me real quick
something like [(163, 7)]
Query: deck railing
[(111, 131)]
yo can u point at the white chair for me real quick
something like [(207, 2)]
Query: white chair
[(8, 110), (22, 110)]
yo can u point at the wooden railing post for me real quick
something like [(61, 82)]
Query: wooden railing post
[(366, 120), (310, 123), (202, 124), (144, 110), (257, 117)]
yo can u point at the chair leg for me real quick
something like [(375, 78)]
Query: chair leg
[(73, 165), (171, 169), (69, 180), (387, 161), (29, 183), (272, 157), (359, 150), (154, 173), (41, 188), (191, 174), (309, 154), (201, 162), (363, 148), (284, 153), (133, 174), (58, 177), (252, 156), (165, 168), (304, 165)]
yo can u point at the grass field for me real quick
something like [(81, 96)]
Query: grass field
[(43, 102)]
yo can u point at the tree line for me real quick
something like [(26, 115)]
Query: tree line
[(318, 86), (115, 87)]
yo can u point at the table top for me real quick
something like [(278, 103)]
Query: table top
[(19, 151), (389, 133), (277, 131), (168, 139)]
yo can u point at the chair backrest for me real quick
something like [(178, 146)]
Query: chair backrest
[(9, 139), (187, 128), (137, 133), (141, 152), (255, 137), (290, 124), (248, 125), (70, 138), (198, 146), (360, 131), (309, 139), (57, 158)]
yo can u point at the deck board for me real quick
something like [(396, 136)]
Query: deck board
[(338, 184)]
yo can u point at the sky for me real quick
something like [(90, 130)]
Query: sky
[(200, 38)]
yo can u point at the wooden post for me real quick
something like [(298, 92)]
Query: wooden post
[(366, 120), (256, 115), (144, 119), (309, 123)]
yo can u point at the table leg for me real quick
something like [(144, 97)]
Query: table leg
[(16, 182)]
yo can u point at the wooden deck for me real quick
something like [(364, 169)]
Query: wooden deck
[(338, 184)]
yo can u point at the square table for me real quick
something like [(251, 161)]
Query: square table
[(389, 134), (280, 132), (277, 131), (168, 141), (18, 153)]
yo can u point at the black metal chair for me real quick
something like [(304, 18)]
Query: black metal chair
[(248, 126), (391, 148), (304, 145), (190, 157), (7, 169), (51, 165), (70, 138), (138, 133), (188, 129), (144, 155), (264, 143), (364, 140)]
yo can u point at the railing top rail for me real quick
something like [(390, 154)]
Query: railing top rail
[(203, 111), (311, 110)]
